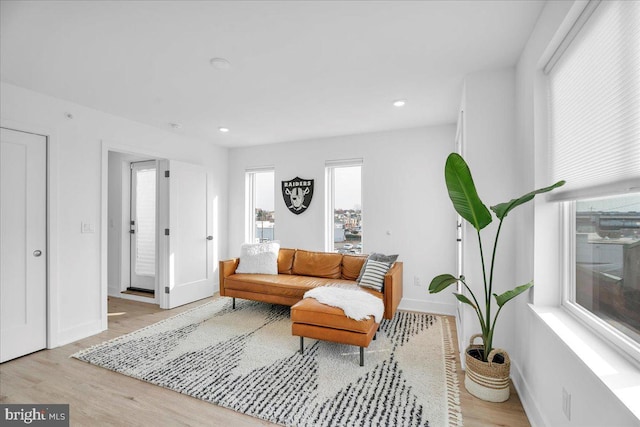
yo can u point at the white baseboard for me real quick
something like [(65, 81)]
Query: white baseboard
[(536, 419), (427, 306), (79, 332)]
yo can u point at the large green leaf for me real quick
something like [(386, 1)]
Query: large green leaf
[(463, 194), (465, 300), (503, 209), (441, 282), (502, 299)]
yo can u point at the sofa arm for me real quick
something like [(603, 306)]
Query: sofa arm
[(227, 268), (392, 290)]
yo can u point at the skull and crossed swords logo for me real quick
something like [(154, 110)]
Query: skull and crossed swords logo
[(297, 194)]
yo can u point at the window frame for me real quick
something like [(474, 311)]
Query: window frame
[(250, 200), (629, 347), (330, 167)]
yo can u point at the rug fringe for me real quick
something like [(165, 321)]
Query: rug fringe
[(453, 385)]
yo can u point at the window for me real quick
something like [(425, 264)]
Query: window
[(594, 129), (607, 261), (344, 230), (260, 215)]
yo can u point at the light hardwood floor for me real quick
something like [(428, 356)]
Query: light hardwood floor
[(99, 397)]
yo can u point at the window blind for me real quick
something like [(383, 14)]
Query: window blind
[(145, 236), (343, 162), (256, 169), (594, 106)]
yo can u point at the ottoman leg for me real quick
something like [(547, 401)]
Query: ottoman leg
[(234, 303), (301, 345), (361, 356)]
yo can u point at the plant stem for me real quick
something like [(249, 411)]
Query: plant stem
[(488, 347), (484, 271), (493, 258), (489, 337), (487, 300), (478, 310)]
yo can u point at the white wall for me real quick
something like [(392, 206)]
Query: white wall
[(77, 278), (403, 193), (489, 150), (544, 363)]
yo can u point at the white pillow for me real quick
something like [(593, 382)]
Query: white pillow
[(259, 258)]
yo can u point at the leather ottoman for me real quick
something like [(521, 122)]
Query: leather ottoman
[(313, 319)]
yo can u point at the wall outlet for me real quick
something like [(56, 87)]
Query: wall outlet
[(566, 403), (416, 281), (87, 227)]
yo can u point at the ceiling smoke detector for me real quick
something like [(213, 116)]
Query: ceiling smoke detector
[(220, 63), (175, 125)]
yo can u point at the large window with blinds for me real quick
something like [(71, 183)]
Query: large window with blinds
[(594, 144)]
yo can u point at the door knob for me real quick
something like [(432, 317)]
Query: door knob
[(209, 237), (37, 253)]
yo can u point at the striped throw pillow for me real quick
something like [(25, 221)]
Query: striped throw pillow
[(373, 276)]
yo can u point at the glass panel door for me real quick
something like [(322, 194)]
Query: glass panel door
[(143, 226)]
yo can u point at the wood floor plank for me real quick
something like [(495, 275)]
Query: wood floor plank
[(98, 396)]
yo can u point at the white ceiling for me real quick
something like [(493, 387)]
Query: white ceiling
[(299, 70)]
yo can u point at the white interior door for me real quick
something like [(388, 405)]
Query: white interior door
[(189, 243), (142, 226), (23, 255)]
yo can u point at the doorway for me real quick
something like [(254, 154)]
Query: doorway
[(132, 209), (184, 261)]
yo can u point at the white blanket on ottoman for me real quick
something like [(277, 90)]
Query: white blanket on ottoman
[(356, 303)]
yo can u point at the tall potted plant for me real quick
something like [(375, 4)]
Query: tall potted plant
[(487, 369)]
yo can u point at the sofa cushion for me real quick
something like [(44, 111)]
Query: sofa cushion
[(283, 285), (285, 260), (259, 258), (317, 264), (351, 266)]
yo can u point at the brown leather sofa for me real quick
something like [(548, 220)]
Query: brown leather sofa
[(300, 271)]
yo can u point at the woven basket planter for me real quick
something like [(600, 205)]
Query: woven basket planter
[(487, 380)]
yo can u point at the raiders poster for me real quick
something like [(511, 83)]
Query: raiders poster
[(297, 194)]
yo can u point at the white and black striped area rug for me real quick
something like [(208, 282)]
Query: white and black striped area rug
[(247, 360)]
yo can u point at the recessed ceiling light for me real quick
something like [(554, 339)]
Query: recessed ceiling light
[(175, 125), (223, 130), (399, 103), (220, 63)]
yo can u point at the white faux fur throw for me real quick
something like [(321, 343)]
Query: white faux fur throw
[(356, 303)]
